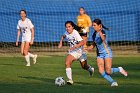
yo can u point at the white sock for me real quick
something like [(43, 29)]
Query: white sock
[(27, 58), (30, 55), (69, 73)]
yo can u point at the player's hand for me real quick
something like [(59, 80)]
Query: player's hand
[(89, 48), (31, 43), (16, 43), (84, 31)]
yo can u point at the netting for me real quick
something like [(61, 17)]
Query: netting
[(49, 16)]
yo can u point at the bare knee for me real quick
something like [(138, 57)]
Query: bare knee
[(25, 52), (67, 64), (108, 71), (100, 71)]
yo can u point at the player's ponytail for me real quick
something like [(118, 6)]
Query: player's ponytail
[(106, 28), (73, 25), (99, 22)]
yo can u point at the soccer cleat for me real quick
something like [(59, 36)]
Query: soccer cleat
[(34, 59), (122, 71), (91, 72), (28, 64), (70, 82), (114, 84)]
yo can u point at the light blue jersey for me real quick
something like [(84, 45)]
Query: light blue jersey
[(103, 50)]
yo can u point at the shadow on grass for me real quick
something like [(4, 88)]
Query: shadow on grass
[(7, 64), (48, 80)]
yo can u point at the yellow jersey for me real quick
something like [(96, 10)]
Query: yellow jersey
[(83, 21)]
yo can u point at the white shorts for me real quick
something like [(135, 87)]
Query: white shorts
[(79, 56), (27, 39)]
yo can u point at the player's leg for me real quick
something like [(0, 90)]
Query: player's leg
[(25, 52), (84, 65), (108, 69), (68, 62), (30, 54), (33, 56), (108, 60), (100, 64), (87, 67), (22, 48), (122, 71), (108, 66)]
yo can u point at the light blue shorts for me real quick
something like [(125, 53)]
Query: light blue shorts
[(104, 55)]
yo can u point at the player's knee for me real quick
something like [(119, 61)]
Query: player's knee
[(25, 52), (67, 64), (100, 71), (108, 71)]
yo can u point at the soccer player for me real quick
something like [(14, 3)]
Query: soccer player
[(75, 51), (27, 28), (84, 21), (104, 53)]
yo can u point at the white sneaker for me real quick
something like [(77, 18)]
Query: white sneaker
[(114, 84), (34, 59), (28, 64), (122, 71), (91, 72), (70, 82)]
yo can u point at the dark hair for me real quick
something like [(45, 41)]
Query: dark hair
[(82, 8), (99, 22), (73, 25), (23, 11)]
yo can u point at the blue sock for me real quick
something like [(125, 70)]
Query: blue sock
[(107, 77), (114, 70)]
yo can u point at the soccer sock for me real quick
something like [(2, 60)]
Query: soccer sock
[(30, 55), (89, 69), (107, 77), (114, 70), (27, 58), (69, 73)]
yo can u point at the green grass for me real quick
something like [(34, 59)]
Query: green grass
[(39, 78)]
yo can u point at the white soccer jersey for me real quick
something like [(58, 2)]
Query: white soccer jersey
[(25, 26), (73, 39)]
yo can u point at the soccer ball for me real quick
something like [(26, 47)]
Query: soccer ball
[(59, 81)]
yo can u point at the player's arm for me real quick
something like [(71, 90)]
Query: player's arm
[(32, 31), (102, 35), (77, 20), (18, 35), (89, 21), (91, 46), (89, 25), (61, 41), (32, 36)]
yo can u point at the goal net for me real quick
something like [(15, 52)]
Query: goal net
[(49, 16)]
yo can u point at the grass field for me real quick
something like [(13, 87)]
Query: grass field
[(39, 78)]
